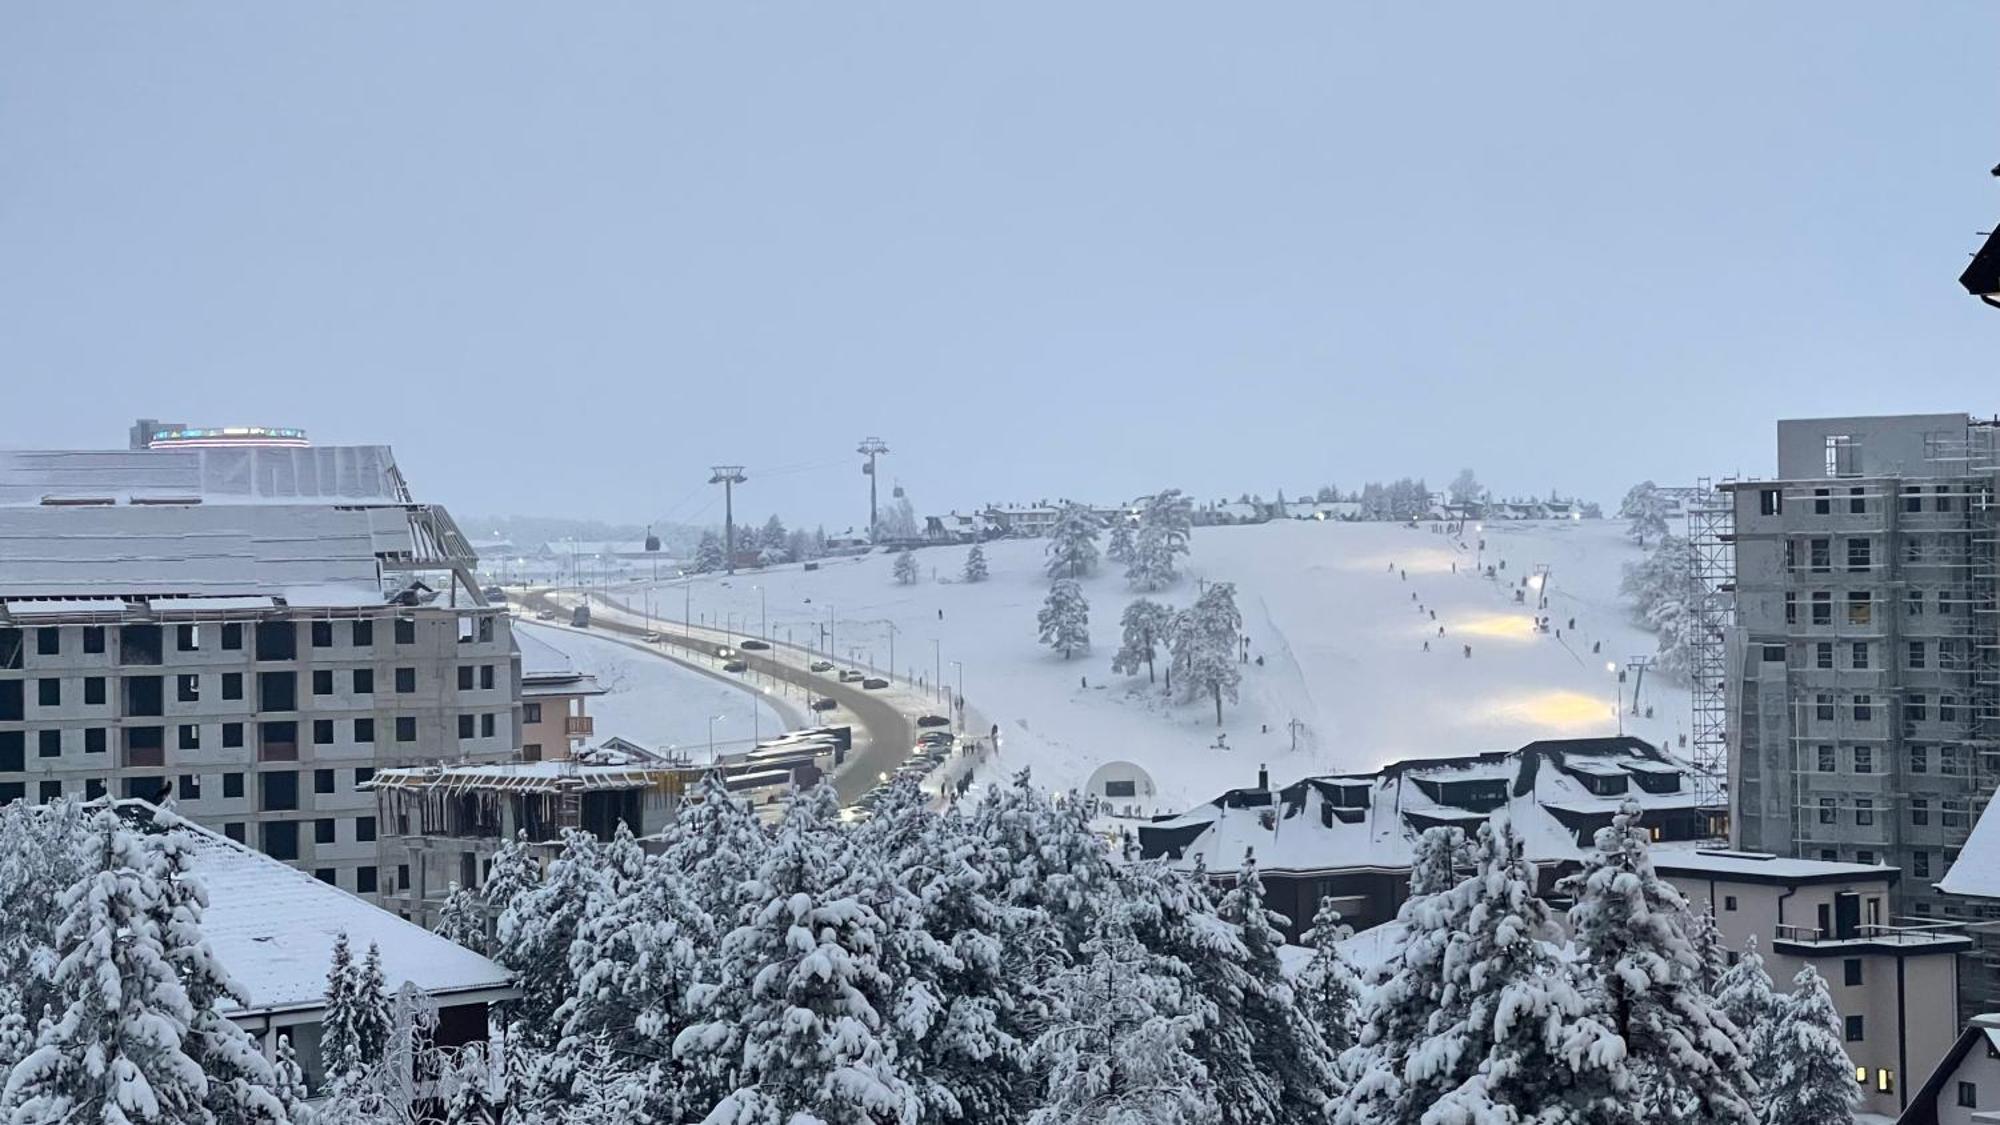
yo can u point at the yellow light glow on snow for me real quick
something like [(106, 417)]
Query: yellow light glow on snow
[(1567, 711), (1497, 626), (1424, 560)]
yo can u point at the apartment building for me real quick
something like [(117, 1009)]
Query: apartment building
[(1862, 675), (250, 630)]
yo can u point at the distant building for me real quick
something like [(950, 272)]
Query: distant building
[(554, 723), (1964, 1086)]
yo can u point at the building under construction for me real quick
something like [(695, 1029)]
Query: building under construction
[(1860, 676)]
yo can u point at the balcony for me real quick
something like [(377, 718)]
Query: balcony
[(579, 726), (1926, 937)]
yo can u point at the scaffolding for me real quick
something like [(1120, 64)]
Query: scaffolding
[(1711, 521)]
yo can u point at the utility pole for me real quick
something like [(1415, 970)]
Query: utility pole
[(872, 448), (728, 476)]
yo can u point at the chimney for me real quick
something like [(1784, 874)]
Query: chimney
[(1263, 778)]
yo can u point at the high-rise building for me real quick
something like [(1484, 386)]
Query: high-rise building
[(252, 630), (1863, 668)]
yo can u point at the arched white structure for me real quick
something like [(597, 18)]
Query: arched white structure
[(1124, 788)]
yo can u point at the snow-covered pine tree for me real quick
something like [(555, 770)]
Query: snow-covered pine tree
[(340, 1034), (791, 1023), (288, 1081), (1119, 548), (1646, 507), (373, 1021), (1146, 624), (1407, 1002), (115, 1053), (1749, 999), (534, 936), (1329, 992), (1165, 525), (1666, 594), (42, 854), (515, 870), (1047, 857), (1525, 1046), (774, 537), (1464, 488), (719, 843), (240, 1079), (1123, 1054), (1811, 1079), (461, 919), (906, 568), (469, 1090), (1073, 542), (1640, 972), (1286, 1045), (1708, 951), (1065, 618), (975, 564), (1207, 639), (708, 554)]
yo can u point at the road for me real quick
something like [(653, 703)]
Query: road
[(883, 731)]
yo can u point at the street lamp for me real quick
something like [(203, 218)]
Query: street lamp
[(937, 669), (763, 616), (1618, 708), (958, 701), (711, 738)]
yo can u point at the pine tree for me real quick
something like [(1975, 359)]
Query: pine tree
[(1047, 857), (534, 936), (1165, 525), (468, 1091), (1747, 997), (371, 1005), (1146, 624), (514, 871), (719, 843), (1464, 488), (1810, 1081), (1641, 973), (1065, 618), (1329, 992), (340, 1034), (1073, 543), (461, 919), (708, 554), (1286, 1045), (1207, 638), (906, 568), (1119, 549), (1708, 950), (289, 1081), (116, 1051), (1646, 506), (975, 564)]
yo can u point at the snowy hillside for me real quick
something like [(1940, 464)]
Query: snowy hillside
[(1327, 605)]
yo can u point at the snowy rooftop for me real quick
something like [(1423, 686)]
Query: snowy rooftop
[(544, 666), (356, 474), (273, 927), (529, 777), (1762, 866), (1977, 870)]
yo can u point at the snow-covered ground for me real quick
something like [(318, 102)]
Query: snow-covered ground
[(657, 703), (1328, 607)]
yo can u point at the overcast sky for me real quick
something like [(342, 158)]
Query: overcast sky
[(564, 257)]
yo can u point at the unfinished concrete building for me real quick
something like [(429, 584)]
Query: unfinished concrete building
[(1861, 674)]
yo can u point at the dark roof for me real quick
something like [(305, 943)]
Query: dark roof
[(1922, 1109), (1982, 277)]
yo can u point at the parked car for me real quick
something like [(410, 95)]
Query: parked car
[(933, 721), (936, 738), (754, 645), (735, 666), (849, 675), (874, 683), (822, 665), (824, 704)]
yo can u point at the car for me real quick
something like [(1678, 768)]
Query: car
[(546, 615), (936, 738), (933, 721), (755, 645), (874, 683), (825, 704), (850, 676), (495, 594), (652, 638), (822, 665), (735, 666)]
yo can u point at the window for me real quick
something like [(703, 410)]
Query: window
[(232, 635), (322, 781), (1791, 608), (1864, 759), (531, 712), (1944, 604), (406, 681), (48, 692), (1770, 502), (1823, 655), (281, 839), (1857, 554), (48, 641), (280, 790), (322, 732), (1850, 971), (1826, 760), (1823, 706), (1947, 709), (406, 630), (1860, 607), (532, 752), (187, 689), (1827, 812), (1954, 813), (232, 685), (465, 677), (1920, 864), (486, 677), (232, 735), (1919, 758), (48, 791), (190, 736), (190, 786), (1820, 555), (322, 634), (485, 630), (1822, 608), (403, 875), (1728, 902), (1854, 1029), (1920, 811), (1864, 856), (1941, 495), (48, 744), (1822, 501), (322, 681), (93, 638), (1916, 659), (364, 880), (364, 634), (1857, 502), (1858, 657), (325, 875), (1913, 604), (187, 638), (1968, 1095), (93, 740), (323, 832), (232, 785), (364, 681), (234, 831), (13, 751), (364, 829), (1864, 813), (486, 725), (364, 731), (406, 728), (1915, 709), (93, 691), (1864, 709), (1791, 556), (1913, 498), (363, 775), (465, 726)]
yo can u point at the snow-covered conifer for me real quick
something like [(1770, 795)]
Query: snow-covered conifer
[(708, 554), (1747, 996), (1065, 618), (1047, 857), (373, 1019), (975, 564), (535, 932), (1708, 951), (461, 919), (515, 870), (1285, 1044), (469, 1088), (1811, 1078), (1329, 993), (1206, 642), (1464, 488), (1119, 548), (288, 1081), (1165, 525), (1646, 506), (340, 1035), (1073, 542), (906, 568), (1146, 624)]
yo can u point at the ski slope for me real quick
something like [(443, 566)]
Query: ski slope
[(1329, 607)]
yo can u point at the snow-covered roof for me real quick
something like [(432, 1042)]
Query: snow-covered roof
[(1763, 867), (528, 777), (1977, 869), (548, 670), (1370, 822), (347, 474), (273, 927)]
